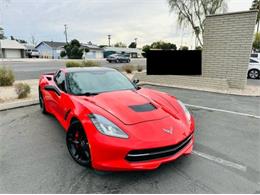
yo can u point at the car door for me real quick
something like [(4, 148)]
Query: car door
[(61, 99)]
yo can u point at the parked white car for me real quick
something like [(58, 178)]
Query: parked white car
[(254, 69)]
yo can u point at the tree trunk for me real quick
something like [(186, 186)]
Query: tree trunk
[(258, 26)]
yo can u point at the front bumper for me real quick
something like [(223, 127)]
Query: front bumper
[(113, 157)]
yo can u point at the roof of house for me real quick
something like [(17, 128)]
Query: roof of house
[(123, 49), (11, 44), (53, 44)]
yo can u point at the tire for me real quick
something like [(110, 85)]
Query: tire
[(253, 74), (42, 103), (77, 144)]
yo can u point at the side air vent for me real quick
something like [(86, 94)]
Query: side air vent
[(143, 108)]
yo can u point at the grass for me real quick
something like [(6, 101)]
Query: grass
[(88, 63)]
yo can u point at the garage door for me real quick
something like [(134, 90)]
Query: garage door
[(13, 53)]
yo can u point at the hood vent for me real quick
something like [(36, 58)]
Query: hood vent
[(143, 108)]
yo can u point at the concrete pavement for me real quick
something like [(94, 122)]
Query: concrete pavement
[(34, 157)]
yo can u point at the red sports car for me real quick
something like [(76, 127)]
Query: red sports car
[(113, 124)]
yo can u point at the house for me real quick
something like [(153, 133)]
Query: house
[(11, 49), (95, 52), (133, 52), (50, 49)]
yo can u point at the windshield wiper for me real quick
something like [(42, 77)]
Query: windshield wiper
[(88, 94)]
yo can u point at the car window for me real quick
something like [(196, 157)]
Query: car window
[(254, 55), (97, 82), (253, 61), (60, 80)]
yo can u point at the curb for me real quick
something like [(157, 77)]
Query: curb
[(197, 89), (21, 104)]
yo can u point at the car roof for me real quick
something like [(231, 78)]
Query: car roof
[(87, 69)]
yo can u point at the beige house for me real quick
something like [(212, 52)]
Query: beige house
[(11, 49)]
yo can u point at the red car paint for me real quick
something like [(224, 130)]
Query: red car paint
[(145, 129)]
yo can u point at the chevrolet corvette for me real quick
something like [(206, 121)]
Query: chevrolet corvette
[(111, 123)]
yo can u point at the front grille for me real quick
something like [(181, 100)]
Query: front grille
[(149, 154)]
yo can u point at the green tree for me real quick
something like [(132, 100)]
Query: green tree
[(132, 45), (256, 44), (72, 50), (194, 12), (120, 44), (184, 48), (2, 35), (163, 45), (256, 5)]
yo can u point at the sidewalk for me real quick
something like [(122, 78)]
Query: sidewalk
[(197, 83)]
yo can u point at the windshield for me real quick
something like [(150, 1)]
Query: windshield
[(94, 82)]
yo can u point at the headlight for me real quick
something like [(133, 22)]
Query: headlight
[(187, 113), (106, 127)]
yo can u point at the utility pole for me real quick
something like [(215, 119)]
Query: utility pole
[(135, 40), (109, 37), (1, 34), (65, 32)]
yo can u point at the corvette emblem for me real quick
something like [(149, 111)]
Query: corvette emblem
[(169, 131)]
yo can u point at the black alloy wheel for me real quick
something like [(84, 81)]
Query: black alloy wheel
[(253, 74), (42, 103), (78, 145)]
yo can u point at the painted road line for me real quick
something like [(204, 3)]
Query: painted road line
[(220, 110), (221, 161)]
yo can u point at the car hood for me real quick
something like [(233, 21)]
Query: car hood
[(129, 106)]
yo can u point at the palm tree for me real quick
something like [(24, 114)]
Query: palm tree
[(256, 5)]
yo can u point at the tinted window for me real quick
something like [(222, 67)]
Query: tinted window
[(254, 55), (97, 82), (253, 61), (60, 80)]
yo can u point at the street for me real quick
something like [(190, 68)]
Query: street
[(33, 68), (226, 157)]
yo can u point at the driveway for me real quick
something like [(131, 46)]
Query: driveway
[(226, 157)]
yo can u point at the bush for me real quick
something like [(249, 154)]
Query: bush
[(139, 68), (6, 77), (73, 64), (22, 90), (89, 63), (128, 68)]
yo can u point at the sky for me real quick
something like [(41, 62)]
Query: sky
[(93, 20)]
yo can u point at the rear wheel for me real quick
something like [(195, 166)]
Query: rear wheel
[(253, 74), (78, 145)]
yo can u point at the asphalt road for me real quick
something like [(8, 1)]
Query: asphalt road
[(226, 158), (33, 68)]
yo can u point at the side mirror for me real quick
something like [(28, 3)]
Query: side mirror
[(135, 81), (52, 88)]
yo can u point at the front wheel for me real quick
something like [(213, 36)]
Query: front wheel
[(78, 145), (42, 103), (253, 74)]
